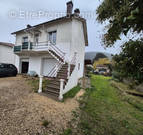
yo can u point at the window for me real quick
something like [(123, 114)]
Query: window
[(25, 39), (53, 37), (36, 39)]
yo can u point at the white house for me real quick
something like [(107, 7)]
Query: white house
[(6, 53), (54, 49)]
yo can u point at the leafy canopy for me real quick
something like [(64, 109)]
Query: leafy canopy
[(99, 56), (130, 61), (123, 15)]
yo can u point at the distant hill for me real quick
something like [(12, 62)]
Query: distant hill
[(91, 55)]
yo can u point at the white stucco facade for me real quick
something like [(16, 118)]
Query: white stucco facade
[(6, 54), (70, 40)]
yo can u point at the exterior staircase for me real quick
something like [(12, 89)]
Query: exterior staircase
[(57, 56), (53, 88), (60, 71)]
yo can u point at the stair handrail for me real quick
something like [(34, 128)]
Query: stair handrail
[(61, 54), (57, 48), (44, 43), (55, 69), (72, 62), (57, 51), (52, 47), (52, 70)]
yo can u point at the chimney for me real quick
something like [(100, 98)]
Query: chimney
[(28, 26), (77, 12), (69, 8)]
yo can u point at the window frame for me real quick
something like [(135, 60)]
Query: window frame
[(36, 36), (23, 39), (51, 39)]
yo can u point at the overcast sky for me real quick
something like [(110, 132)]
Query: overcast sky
[(12, 14)]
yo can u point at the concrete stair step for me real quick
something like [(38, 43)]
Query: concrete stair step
[(54, 82), (62, 73), (54, 87), (62, 77), (52, 92)]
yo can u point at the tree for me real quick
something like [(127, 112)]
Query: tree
[(129, 63), (123, 16), (99, 56)]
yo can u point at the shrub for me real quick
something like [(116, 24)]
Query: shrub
[(45, 123), (67, 132), (129, 61), (117, 76)]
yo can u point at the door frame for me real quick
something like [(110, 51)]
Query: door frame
[(23, 60)]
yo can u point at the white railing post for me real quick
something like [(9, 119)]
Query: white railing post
[(40, 84), (61, 89), (21, 48), (69, 68), (56, 71), (28, 45)]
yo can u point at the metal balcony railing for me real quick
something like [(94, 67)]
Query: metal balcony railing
[(24, 46), (17, 48), (27, 45)]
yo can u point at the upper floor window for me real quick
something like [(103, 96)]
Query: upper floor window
[(25, 39), (53, 37), (36, 38)]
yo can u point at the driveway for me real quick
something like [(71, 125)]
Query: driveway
[(22, 112)]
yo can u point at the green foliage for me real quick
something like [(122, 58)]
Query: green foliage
[(67, 132), (45, 123), (118, 76), (129, 63), (72, 92), (34, 82), (104, 111), (123, 15), (99, 56), (89, 69)]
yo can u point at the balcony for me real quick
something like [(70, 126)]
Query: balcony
[(24, 46), (34, 48), (17, 48)]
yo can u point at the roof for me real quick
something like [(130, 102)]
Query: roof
[(62, 19), (7, 44), (87, 62)]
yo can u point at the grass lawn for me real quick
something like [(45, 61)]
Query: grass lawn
[(72, 93), (106, 111)]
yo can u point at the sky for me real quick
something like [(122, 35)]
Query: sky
[(16, 14)]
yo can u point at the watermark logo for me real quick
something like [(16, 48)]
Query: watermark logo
[(13, 14), (23, 14)]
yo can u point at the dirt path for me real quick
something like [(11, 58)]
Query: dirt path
[(22, 112)]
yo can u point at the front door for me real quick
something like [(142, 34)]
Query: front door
[(25, 66)]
